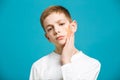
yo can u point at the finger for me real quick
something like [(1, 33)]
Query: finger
[(69, 37), (71, 40), (67, 41)]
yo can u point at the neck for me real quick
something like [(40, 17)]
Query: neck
[(58, 50)]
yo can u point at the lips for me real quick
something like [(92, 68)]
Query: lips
[(59, 37)]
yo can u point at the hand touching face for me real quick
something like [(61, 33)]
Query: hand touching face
[(57, 28)]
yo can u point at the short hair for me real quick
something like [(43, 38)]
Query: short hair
[(57, 9)]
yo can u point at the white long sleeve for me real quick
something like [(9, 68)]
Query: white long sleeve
[(81, 67), (71, 73)]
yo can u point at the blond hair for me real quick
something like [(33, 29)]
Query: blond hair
[(57, 9)]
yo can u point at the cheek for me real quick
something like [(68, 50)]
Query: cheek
[(68, 30), (49, 36)]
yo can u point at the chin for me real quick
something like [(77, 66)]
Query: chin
[(61, 42)]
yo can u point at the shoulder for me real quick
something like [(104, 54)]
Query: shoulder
[(42, 61), (87, 60)]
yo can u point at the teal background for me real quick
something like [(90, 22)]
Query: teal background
[(22, 40)]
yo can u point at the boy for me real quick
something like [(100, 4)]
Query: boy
[(65, 62)]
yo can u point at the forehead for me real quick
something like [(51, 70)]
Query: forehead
[(54, 17)]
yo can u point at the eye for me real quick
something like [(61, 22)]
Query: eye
[(49, 29), (61, 24)]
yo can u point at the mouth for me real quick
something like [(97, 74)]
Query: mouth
[(59, 37)]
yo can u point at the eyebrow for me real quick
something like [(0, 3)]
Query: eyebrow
[(48, 25), (60, 20), (55, 22)]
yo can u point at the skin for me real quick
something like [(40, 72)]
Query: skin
[(60, 32)]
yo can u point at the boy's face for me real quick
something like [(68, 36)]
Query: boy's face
[(57, 28)]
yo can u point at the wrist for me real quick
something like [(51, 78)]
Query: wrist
[(65, 60)]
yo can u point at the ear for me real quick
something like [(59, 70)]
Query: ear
[(74, 26), (47, 37)]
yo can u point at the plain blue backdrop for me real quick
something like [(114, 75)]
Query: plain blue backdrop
[(22, 40)]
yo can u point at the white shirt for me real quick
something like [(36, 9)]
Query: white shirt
[(82, 67)]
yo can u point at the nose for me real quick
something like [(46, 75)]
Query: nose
[(56, 30)]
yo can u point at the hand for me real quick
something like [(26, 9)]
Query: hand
[(68, 49)]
